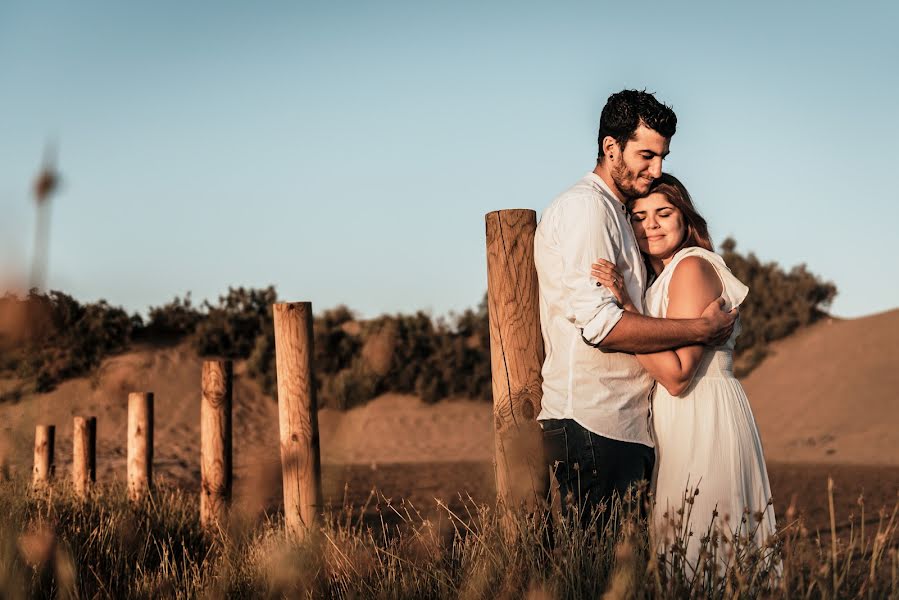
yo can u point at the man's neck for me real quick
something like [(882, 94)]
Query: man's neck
[(604, 174)]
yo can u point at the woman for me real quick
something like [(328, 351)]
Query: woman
[(706, 438)]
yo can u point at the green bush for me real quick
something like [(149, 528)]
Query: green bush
[(56, 337), (175, 320), (411, 354), (261, 362), (436, 359), (348, 387), (230, 328), (336, 340)]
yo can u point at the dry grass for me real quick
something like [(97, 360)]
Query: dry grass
[(53, 545)]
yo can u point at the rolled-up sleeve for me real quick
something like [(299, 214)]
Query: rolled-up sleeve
[(586, 232)]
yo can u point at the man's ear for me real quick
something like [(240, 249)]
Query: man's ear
[(610, 147)]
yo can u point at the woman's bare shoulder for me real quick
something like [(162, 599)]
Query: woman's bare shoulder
[(695, 278)]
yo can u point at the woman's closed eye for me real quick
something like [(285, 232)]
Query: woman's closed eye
[(641, 216)]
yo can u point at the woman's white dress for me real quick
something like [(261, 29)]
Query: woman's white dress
[(707, 439)]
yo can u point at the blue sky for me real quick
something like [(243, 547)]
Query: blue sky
[(347, 152)]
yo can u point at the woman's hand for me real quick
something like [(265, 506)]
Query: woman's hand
[(608, 276)]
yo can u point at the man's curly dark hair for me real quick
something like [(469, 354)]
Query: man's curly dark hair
[(626, 110)]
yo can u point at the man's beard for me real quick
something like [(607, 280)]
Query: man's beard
[(625, 181)]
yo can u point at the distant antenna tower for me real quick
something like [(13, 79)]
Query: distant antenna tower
[(46, 182)]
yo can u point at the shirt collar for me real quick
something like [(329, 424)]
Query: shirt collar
[(608, 193)]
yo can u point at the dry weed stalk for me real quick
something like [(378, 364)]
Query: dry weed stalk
[(110, 547)]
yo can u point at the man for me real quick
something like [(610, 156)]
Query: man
[(595, 413)]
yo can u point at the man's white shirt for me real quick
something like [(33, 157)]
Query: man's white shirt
[(606, 392)]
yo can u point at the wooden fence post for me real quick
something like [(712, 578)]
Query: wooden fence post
[(215, 441), (297, 417), (44, 467), (84, 454), (140, 444), (516, 357)]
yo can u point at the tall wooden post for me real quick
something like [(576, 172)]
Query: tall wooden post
[(44, 441), (298, 418), (516, 356), (215, 441), (84, 454), (140, 444)]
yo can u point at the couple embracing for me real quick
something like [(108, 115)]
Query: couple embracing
[(639, 318)]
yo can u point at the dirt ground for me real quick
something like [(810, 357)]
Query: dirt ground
[(467, 483), (805, 485)]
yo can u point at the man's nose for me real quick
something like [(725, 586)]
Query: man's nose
[(655, 167)]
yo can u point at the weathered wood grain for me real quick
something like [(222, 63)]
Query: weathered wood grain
[(516, 355), (216, 471), (84, 454), (140, 444), (44, 467), (298, 417)]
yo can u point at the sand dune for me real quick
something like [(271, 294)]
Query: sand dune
[(390, 429), (830, 393)]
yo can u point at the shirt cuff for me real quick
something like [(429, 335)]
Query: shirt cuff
[(596, 330)]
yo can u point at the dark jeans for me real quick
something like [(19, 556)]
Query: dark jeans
[(591, 469)]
